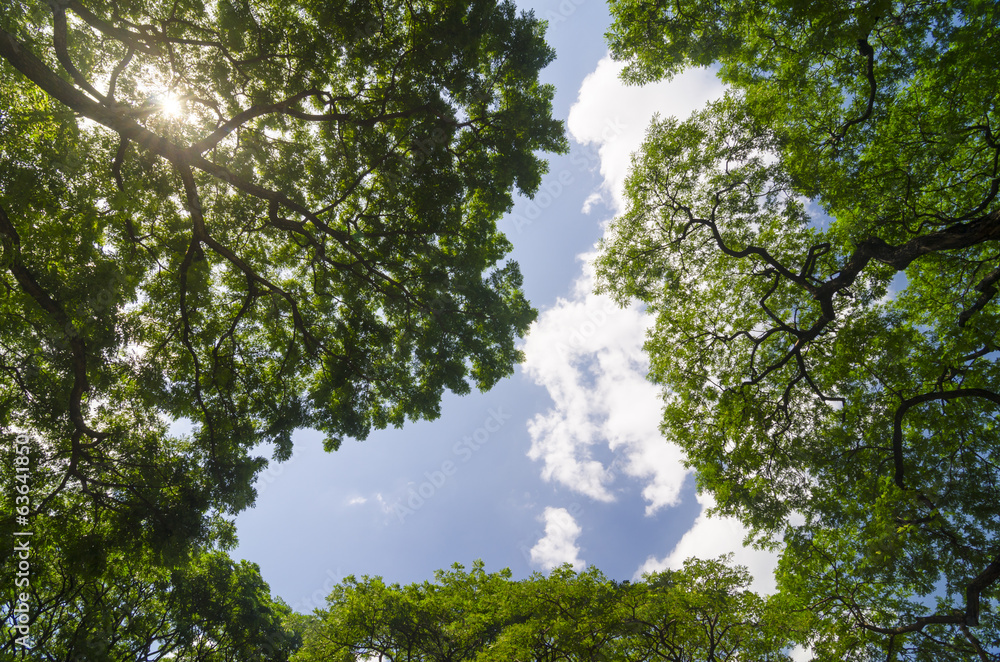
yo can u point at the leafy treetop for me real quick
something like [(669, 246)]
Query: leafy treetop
[(258, 216), (701, 612), (820, 251)]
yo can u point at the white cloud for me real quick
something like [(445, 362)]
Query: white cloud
[(587, 353), (711, 537), (558, 546), (585, 350), (614, 116), (801, 654), (357, 501), (592, 199)]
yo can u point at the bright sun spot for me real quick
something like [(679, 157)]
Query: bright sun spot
[(171, 105)]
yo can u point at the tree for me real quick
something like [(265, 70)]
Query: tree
[(454, 618), (211, 610), (701, 612), (74, 595), (820, 251), (256, 216)]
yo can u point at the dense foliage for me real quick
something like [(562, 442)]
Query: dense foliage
[(820, 251), (702, 612), (260, 216), (256, 216)]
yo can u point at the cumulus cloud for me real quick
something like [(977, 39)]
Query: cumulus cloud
[(592, 199), (585, 350), (711, 537), (614, 116), (588, 355), (558, 546)]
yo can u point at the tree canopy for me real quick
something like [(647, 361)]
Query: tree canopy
[(84, 601), (259, 216), (255, 216), (819, 249), (701, 612)]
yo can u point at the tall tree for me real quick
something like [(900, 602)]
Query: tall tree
[(79, 590), (257, 216), (820, 251)]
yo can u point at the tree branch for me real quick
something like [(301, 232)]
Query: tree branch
[(78, 347), (906, 405), (987, 289)]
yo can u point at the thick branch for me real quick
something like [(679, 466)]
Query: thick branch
[(987, 289), (242, 118), (958, 236), (763, 254), (60, 41), (134, 39), (918, 624), (119, 68), (977, 586), (201, 234)]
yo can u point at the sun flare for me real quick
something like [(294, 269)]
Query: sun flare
[(171, 105)]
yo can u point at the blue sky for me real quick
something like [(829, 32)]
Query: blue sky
[(562, 462)]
